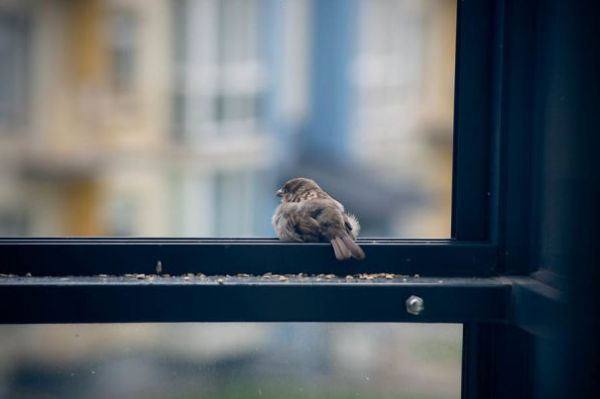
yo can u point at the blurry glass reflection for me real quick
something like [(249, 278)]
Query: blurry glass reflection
[(290, 360), (181, 117)]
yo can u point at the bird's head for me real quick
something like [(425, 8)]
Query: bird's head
[(296, 189)]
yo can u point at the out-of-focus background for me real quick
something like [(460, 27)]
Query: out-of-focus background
[(227, 361), (181, 117)]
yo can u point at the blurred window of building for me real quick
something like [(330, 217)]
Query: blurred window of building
[(14, 67), (123, 33), (240, 61), (238, 31), (219, 72)]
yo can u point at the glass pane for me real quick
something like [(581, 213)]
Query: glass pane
[(291, 360), (182, 117)]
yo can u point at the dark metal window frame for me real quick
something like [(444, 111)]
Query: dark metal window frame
[(476, 277)]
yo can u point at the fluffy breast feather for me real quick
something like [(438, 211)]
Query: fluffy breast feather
[(354, 225)]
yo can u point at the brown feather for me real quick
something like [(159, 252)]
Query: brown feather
[(341, 251), (336, 250), (354, 248)]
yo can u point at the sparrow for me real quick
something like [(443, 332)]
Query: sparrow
[(309, 214)]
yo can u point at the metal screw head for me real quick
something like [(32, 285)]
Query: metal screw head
[(415, 305)]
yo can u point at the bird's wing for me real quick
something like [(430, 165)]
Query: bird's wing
[(306, 227), (293, 222)]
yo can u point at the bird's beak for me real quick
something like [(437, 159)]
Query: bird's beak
[(279, 193)]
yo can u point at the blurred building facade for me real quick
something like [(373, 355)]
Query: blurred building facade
[(180, 117)]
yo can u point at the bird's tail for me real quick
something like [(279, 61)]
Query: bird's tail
[(344, 248)]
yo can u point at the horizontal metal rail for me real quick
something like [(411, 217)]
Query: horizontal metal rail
[(88, 257), (140, 298)]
